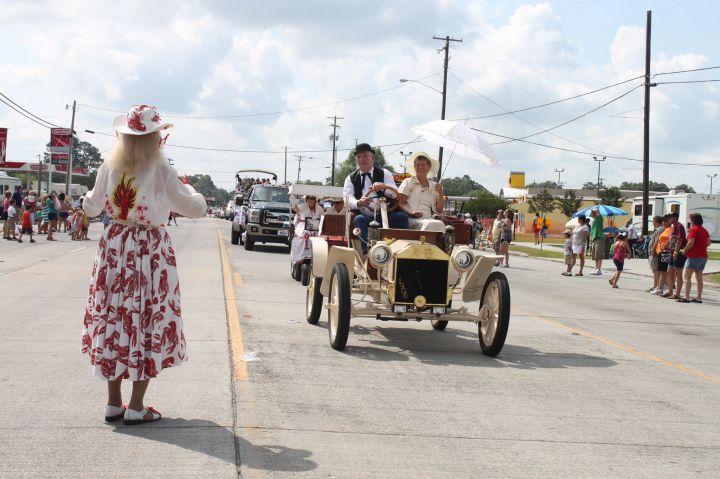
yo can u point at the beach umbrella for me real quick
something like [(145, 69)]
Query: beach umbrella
[(464, 140), (605, 210)]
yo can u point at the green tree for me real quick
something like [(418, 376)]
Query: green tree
[(544, 184), (203, 184), (345, 168), (569, 203), (611, 196), (685, 188), (652, 185), (541, 203), (222, 196), (589, 185), (85, 155), (311, 182), (485, 203), (461, 186)]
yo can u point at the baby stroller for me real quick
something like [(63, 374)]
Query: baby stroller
[(640, 249)]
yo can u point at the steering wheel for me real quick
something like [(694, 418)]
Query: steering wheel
[(392, 202)]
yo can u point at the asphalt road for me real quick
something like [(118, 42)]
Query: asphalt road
[(583, 387)]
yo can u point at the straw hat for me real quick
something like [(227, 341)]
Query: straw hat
[(410, 163), (140, 120)]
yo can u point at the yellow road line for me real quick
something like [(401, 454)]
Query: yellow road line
[(630, 349), (240, 369), (238, 279)]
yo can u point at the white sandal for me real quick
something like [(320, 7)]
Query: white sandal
[(133, 417), (114, 413)]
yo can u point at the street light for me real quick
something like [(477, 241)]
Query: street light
[(598, 181), (405, 80), (404, 165), (711, 180)]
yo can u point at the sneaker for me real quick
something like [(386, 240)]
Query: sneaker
[(597, 272), (32, 240), (657, 292), (19, 240)]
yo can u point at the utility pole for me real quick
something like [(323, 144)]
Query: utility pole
[(39, 185), (299, 157), (285, 181), (68, 176), (559, 172), (598, 182), (646, 129), (334, 138), (447, 41), (711, 181)]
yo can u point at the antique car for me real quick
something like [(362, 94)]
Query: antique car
[(303, 229), (407, 275)]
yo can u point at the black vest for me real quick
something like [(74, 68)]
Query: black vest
[(356, 178)]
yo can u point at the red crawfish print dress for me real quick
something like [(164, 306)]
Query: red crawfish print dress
[(133, 326)]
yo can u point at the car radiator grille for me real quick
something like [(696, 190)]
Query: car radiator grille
[(421, 277), (275, 218)]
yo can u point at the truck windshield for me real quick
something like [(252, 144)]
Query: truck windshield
[(269, 193)]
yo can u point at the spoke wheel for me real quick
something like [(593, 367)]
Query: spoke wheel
[(339, 307), (313, 300), (494, 314)]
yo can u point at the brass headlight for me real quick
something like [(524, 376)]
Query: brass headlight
[(420, 301), (462, 259), (380, 255)]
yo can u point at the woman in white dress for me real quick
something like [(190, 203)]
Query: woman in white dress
[(133, 326), (579, 243), (420, 197), (300, 249)]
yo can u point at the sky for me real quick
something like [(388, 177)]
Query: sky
[(252, 78)]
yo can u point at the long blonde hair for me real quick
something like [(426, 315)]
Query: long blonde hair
[(135, 152)]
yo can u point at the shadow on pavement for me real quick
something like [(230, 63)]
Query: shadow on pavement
[(452, 348), (271, 248), (212, 439)]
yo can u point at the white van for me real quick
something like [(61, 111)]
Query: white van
[(683, 204)]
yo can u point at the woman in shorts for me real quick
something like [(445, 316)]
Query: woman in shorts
[(698, 240), (662, 249), (506, 237)]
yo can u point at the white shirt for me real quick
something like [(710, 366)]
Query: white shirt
[(146, 196), (419, 198), (333, 211), (11, 212), (305, 212), (578, 237), (349, 191), (632, 232)]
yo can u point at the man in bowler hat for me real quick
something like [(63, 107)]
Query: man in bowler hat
[(363, 186)]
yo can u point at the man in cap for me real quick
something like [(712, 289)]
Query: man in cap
[(362, 188), (597, 236)]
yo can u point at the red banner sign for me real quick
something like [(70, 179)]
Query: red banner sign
[(22, 166), (77, 170), (3, 144), (60, 137)]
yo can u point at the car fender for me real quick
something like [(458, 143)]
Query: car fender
[(475, 281), (319, 256), (337, 254)]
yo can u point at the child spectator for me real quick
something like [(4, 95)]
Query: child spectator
[(11, 219), (621, 248), (85, 224), (26, 225), (568, 253)]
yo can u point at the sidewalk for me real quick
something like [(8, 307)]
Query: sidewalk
[(632, 266)]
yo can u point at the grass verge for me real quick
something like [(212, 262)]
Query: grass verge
[(536, 252), (715, 255), (712, 278)]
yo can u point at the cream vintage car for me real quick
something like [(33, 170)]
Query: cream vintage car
[(407, 275)]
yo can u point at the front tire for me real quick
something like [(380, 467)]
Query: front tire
[(305, 274), (339, 307), (313, 300), (249, 244), (295, 271), (234, 236), (496, 318)]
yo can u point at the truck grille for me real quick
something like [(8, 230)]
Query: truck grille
[(426, 277), (275, 218)]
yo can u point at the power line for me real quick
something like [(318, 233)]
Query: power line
[(569, 150), (686, 71), (549, 103), (23, 114), (270, 113), (26, 111), (577, 117), (688, 81)]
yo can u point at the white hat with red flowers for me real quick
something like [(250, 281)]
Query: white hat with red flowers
[(140, 120)]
